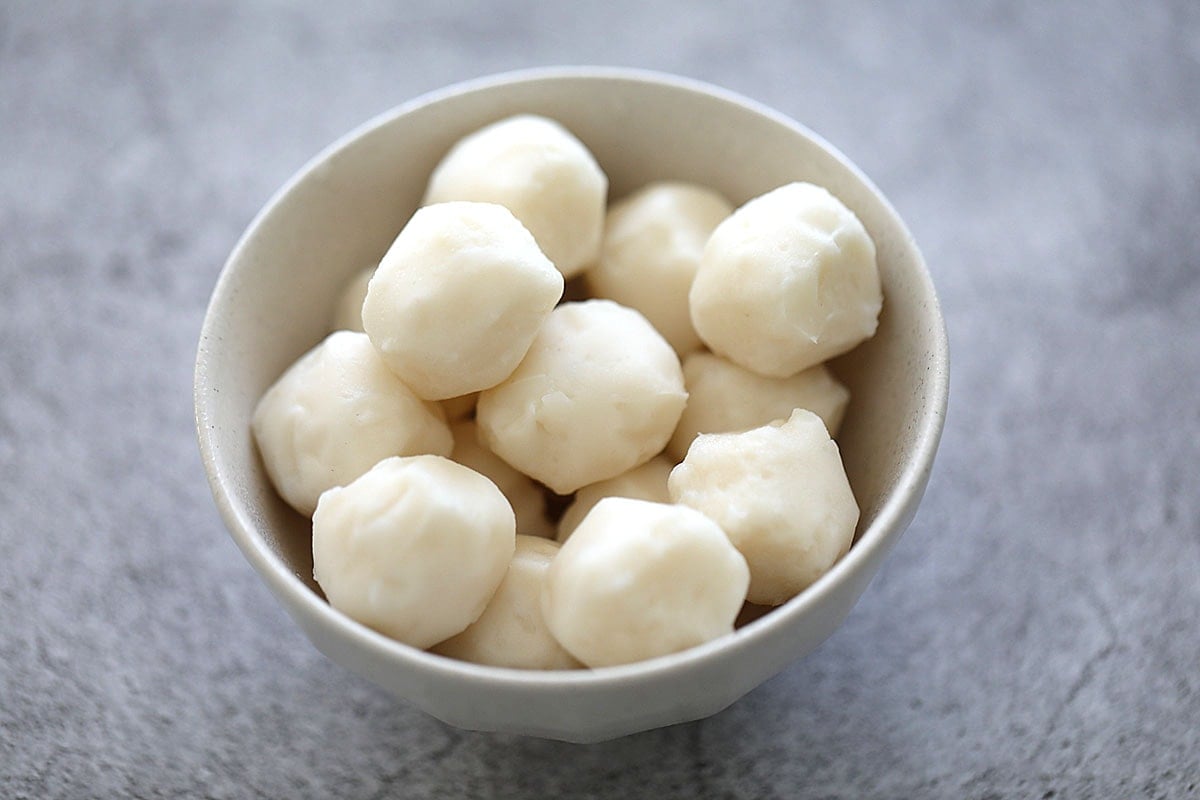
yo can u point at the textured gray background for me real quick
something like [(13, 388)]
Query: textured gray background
[(1035, 633)]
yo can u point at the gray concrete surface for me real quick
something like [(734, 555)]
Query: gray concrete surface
[(1036, 634)]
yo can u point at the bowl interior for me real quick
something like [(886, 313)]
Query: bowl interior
[(276, 294)]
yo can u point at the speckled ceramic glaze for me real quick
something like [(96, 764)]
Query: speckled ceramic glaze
[(275, 296)]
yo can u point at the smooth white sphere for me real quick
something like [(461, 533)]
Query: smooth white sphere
[(639, 579), (781, 495), (599, 392), (786, 282), (647, 482), (537, 169), (458, 297), (724, 397), (334, 414), (653, 241), (526, 498), (415, 548), (512, 631)]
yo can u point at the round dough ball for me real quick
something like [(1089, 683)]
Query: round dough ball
[(512, 631), (599, 392), (781, 495), (347, 315), (723, 397), (414, 548), (458, 298), (652, 245), (527, 500), (647, 482), (461, 407), (639, 579), (786, 282), (334, 414), (537, 169)]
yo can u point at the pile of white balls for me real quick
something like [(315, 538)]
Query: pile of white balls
[(685, 405)]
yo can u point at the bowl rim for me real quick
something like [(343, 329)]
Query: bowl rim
[(888, 524)]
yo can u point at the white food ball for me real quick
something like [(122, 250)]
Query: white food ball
[(781, 495), (334, 414), (537, 169), (723, 397), (652, 245), (786, 282), (639, 579), (599, 392), (527, 500), (647, 482), (414, 548), (512, 632), (458, 298), (347, 314)]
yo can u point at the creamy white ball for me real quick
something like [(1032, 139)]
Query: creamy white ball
[(527, 500), (458, 297), (653, 241), (537, 169), (647, 482), (512, 631), (780, 493), (638, 580), (786, 282), (724, 397), (599, 392), (347, 314), (334, 414), (414, 548)]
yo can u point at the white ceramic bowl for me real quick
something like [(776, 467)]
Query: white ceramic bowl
[(274, 298)]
